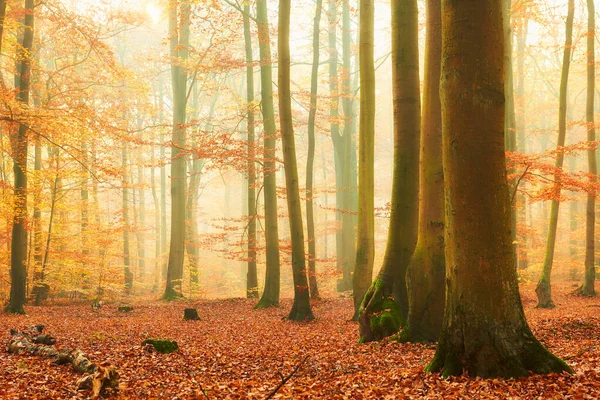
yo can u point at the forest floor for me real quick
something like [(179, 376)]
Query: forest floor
[(238, 353)]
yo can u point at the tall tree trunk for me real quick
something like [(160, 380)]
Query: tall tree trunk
[(485, 332), (127, 273), (301, 308), (365, 247), (141, 227), (348, 161), (270, 296), (590, 213), (426, 272), (251, 274), (386, 300), (163, 189), (310, 158), (543, 288), (157, 227), (345, 281), (179, 28), (18, 254)]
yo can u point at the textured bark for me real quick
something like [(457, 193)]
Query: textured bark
[(301, 308), (426, 271), (141, 225), (402, 233), (18, 249), (484, 332), (590, 213), (544, 288), (270, 296), (179, 28), (251, 275), (365, 242), (310, 158)]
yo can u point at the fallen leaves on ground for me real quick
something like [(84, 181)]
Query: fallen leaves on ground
[(236, 352)]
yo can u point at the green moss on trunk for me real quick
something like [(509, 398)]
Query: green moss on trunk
[(379, 315)]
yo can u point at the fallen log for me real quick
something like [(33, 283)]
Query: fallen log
[(98, 377)]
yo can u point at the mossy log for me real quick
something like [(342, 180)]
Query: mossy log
[(125, 308), (190, 314), (162, 345), (33, 342)]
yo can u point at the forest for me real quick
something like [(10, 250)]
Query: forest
[(308, 199)]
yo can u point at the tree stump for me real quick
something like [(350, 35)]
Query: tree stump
[(190, 314), (161, 345)]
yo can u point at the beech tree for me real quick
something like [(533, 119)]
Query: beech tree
[(426, 271), (179, 29), (484, 331), (270, 296), (544, 288), (385, 306), (301, 308), (310, 158), (251, 275), (587, 289), (19, 143), (365, 242)]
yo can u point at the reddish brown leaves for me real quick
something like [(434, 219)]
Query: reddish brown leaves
[(238, 353)]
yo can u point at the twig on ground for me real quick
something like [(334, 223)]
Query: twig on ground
[(287, 378)]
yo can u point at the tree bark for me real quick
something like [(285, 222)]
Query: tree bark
[(390, 285), (251, 274), (179, 28), (270, 296), (365, 243), (18, 253), (301, 310), (426, 271), (484, 332), (544, 288), (590, 213), (310, 158), (127, 273)]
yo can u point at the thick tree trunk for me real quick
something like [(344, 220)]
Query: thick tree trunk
[(18, 253), (426, 272), (402, 233), (180, 32), (310, 158), (485, 332), (590, 213), (365, 243), (543, 288), (270, 296), (251, 274), (301, 308)]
